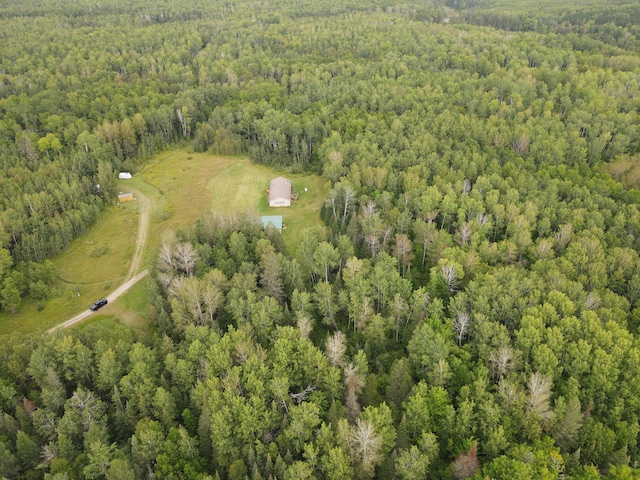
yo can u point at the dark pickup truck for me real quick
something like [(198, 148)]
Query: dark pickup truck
[(98, 304)]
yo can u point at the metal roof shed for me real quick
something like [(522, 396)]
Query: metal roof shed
[(280, 192), (275, 220)]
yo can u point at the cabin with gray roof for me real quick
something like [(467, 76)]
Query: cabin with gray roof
[(280, 192)]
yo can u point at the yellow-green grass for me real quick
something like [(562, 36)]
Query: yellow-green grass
[(103, 254), (303, 213), (242, 188), (178, 181)]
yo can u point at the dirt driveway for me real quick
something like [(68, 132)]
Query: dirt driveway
[(144, 204)]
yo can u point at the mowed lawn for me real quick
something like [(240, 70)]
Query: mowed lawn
[(181, 187), (242, 188)]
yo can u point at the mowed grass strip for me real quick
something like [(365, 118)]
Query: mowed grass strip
[(240, 188)]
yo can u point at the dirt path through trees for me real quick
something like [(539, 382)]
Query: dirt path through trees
[(131, 278)]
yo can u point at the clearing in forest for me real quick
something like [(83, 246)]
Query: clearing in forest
[(180, 186), (242, 188), (183, 185)]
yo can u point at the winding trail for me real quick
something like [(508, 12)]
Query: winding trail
[(144, 204)]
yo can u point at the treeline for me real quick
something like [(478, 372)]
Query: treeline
[(616, 26)]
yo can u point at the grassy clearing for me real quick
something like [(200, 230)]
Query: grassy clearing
[(239, 188), (242, 188), (306, 211), (103, 254), (178, 184), (181, 187)]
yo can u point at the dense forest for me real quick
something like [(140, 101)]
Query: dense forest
[(471, 309)]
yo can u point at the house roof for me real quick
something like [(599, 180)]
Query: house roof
[(280, 188), (275, 220)]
